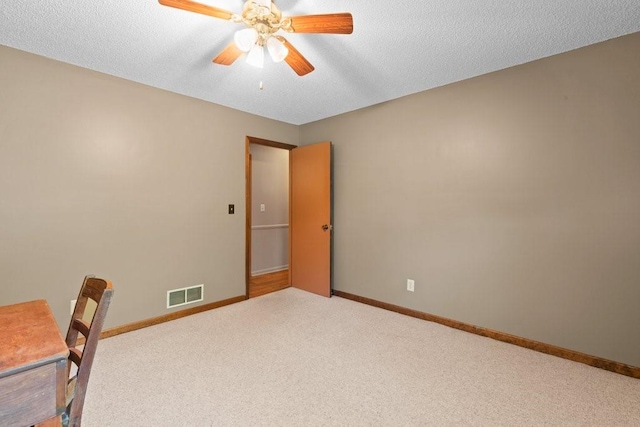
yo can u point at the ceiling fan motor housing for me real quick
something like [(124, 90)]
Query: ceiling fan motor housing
[(262, 15)]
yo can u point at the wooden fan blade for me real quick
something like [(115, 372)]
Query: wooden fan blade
[(192, 6), (335, 23), (229, 55), (295, 59)]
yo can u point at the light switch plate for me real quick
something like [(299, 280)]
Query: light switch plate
[(411, 285)]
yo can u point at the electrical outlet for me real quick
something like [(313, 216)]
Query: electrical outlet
[(411, 284), (73, 306), (262, 207)]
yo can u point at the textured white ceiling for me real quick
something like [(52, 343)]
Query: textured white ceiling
[(397, 48)]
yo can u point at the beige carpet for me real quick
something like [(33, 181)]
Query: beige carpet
[(296, 359)]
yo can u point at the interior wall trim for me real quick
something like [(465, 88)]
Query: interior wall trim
[(269, 226), (269, 270), (598, 362), (168, 317)]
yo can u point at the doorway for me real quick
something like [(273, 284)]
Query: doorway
[(267, 225), (310, 215)]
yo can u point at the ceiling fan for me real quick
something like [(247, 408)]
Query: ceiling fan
[(263, 20)]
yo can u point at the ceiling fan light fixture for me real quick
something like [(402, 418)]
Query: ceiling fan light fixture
[(256, 56), (277, 49), (264, 19), (246, 39)]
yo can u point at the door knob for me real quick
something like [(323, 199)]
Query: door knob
[(326, 227)]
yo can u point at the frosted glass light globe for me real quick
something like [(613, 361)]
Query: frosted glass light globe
[(246, 39), (256, 56), (277, 49)]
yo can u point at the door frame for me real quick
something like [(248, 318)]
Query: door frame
[(248, 192)]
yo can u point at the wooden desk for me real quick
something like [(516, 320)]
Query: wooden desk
[(33, 360)]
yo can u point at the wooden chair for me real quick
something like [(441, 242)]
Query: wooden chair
[(100, 291)]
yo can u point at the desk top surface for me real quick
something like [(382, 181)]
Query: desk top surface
[(29, 337)]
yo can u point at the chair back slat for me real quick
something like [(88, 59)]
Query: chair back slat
[(75, 355), (96, 290), (81, 326)]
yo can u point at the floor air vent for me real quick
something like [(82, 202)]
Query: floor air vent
[(182, 296)]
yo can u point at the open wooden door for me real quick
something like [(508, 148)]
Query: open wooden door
[(310, 218)]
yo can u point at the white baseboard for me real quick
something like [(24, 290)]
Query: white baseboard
[(270, 270)]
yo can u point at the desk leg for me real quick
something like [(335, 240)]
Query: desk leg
[(61, 386)]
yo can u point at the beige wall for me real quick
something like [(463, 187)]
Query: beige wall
[(106, 176), (512, 199)]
